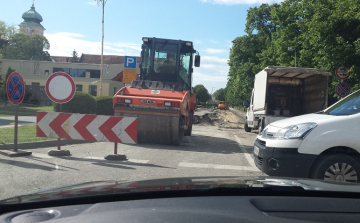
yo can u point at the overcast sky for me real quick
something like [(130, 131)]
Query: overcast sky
[(210, 24)]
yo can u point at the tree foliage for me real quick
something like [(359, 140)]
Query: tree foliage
[(6, 32), (23, 47), (220, 94), (325, 35), (202, 94)]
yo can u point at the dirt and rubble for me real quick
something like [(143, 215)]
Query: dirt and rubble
[(223, 118)]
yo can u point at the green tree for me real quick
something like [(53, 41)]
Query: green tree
[(202, 94), (75, 57), (23, 47), (5, 33), (220, 94), (325, 35)]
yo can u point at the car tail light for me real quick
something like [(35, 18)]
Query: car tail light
[(171, 104), (124, 100)]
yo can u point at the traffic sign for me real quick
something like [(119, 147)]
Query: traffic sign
[(60, 87), (342, 89), (101, 128), (15, 88), (342, 73), (129, 75), (130, 62)]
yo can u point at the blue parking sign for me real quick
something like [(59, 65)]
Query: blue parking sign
[(130, 62)]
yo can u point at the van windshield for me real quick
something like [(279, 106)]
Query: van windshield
[(348, 106)]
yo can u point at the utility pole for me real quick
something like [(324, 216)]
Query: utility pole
[(103, 2)]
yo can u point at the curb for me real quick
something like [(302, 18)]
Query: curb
[(43, 144)]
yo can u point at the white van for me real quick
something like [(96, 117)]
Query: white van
[(323, 145)]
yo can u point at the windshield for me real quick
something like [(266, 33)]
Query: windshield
[(347, 106), (165, 58), (146, 90)]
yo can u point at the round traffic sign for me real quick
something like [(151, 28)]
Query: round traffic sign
[(342, 89), (342, 73), (15, 88), (60, 87)]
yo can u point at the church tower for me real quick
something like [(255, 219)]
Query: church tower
[(31, 24)]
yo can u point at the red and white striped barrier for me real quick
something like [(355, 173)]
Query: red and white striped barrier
[(87, 127)]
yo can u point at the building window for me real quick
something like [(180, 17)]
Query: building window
[(46, 73), (35, 84), (114, 90), (93, 90), (79, 87), (78, 72)]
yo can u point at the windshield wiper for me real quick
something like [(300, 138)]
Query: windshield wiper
[(322, 112)]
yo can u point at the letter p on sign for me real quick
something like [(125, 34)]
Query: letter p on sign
[(130, 62)]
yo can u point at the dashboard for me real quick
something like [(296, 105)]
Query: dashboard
[(198, 209)]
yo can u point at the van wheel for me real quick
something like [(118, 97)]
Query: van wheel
[(246, 127), (337, 167)]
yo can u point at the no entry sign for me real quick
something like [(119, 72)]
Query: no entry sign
[(60, 87), (15, 88)]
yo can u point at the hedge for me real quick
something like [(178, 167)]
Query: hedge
[(104, 105), (82, 103)]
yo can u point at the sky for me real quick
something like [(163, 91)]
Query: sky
[(76, 25)]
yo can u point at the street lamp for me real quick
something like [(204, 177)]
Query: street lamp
[(290, 48)]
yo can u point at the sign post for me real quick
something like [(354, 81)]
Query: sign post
[(15, 91), (60, 88)]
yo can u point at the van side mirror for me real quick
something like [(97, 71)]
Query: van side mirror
[(246, 104), (197, 60)]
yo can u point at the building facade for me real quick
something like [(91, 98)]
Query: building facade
[(85, 73)]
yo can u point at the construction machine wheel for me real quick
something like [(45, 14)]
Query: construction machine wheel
[(177, 138), (189, 129), (158, 129)]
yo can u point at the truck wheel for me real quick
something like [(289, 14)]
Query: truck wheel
[(246, 127), (337, 167), (189, 130)]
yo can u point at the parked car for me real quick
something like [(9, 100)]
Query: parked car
[(323, 145)]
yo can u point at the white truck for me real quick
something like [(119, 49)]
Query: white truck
[(283, 92)]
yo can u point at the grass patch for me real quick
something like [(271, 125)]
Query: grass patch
[(25, 134), (9, 110)]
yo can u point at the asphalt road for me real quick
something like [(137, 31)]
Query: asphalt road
[(212, 150), (22, 120)]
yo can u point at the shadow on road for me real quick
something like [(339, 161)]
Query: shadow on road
[(114, 164), (201, 143), (27, 165), (40, 160)]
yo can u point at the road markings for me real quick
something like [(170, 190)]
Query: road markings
[(249, 157), (216, 166), (125, 161), (42, 155)]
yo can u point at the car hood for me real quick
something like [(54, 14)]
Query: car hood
[(172, 184), (316, 118)]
